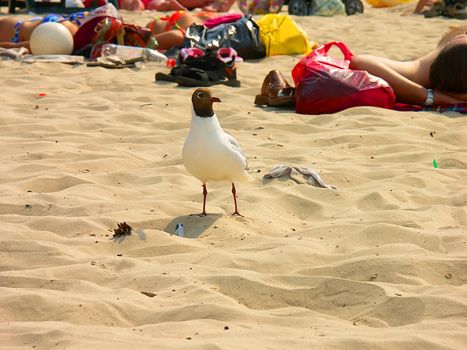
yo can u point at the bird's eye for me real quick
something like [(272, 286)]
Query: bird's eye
[(200, 95)]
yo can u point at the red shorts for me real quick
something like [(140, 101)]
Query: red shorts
[(89, 3)]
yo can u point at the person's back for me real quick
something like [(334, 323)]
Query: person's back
[(15, 33), (444, 69)]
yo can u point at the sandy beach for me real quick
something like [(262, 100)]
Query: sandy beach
[(380, 263)]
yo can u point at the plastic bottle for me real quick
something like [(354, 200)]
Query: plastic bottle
[(132, 52)]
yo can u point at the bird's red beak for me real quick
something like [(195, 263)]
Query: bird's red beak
[(215, 99)]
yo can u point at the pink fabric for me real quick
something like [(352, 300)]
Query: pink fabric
[(228, 18)]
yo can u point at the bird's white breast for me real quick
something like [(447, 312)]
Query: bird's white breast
[(209, 155)]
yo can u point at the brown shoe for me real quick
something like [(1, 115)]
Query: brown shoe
[(276, 91)]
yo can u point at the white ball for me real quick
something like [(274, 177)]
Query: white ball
[(51, 38)]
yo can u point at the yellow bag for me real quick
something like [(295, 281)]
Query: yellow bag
[(282, 36), (387, 3)]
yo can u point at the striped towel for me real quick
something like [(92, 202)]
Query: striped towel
[(459, 108)]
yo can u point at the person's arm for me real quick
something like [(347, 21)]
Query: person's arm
[(406, 90), (442, 98), (11, 45), (461, 96)]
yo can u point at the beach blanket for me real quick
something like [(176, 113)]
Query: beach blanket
[(13, 54), (70, 59), (23, 55), (459, 108)]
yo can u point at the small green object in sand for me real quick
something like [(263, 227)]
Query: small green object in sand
[(435, 164)]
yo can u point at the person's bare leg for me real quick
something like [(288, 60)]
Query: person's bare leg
[(190, 4), (169, 39), (165, 5), (219, 6), (71, 26), (10, 45), (132, 5), (158, 25), (227, 4), (187, 20)]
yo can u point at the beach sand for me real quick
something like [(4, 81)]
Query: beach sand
[(379, 263)]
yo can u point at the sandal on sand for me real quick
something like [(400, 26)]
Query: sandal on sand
[(114, 62), (456, 10), (199, 77), (276, 91), (173, 75), (206, 70)]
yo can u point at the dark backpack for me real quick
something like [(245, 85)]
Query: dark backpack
[(242, 35)]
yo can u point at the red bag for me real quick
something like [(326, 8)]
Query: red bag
[(326, 85)]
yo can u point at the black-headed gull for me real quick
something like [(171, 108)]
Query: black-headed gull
[(209, 153)]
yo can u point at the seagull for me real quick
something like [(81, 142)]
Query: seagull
[(209, 153)]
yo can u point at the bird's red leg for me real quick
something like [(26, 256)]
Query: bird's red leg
[(205, 194), (234, 193)]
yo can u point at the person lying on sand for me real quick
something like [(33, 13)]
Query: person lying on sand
[(170, 30), (208, 5), (175, 5), (15, 33), (437, 78), (141, 5)]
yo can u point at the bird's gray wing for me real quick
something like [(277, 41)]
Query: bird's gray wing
[(236, 147)]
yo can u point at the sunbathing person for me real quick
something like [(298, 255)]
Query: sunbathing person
[(437, 78), (175, 5), (208, 5), (170, 30), (154, 5), (15, 33), (129, 5), (164, 5)]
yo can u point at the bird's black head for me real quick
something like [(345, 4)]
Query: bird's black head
[(202, 102)]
